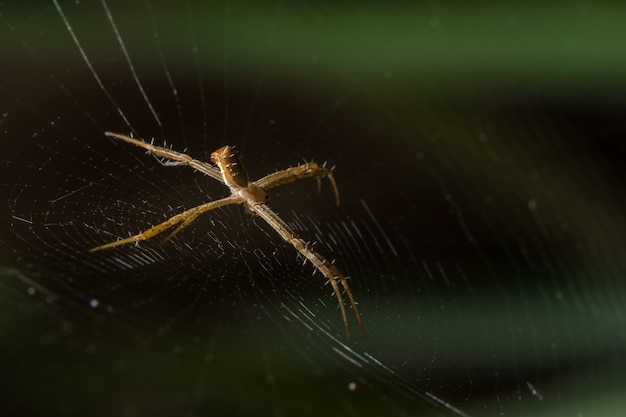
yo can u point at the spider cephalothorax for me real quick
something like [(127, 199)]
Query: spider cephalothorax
[(231, 172)]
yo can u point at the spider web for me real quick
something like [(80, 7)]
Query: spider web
[(480, 159)]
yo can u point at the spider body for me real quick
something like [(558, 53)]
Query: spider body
[(231, 172)]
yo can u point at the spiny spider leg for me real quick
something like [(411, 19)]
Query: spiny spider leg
[(186, 217), (322, 264), (307, 170), (180, 158)]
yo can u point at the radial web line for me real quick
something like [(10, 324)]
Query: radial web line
[(91, 68), (196, 59), (157, 39), (130, 63)]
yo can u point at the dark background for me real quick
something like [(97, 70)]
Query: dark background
[(479, 151)]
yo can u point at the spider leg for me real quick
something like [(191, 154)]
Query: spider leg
[(307, 170), (333, 271), (177, 158), (186, 217), (181, 226), (322, 264)]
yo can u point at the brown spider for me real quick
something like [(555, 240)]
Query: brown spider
[(252, 195)]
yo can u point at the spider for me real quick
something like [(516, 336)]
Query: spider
[(252, 195)]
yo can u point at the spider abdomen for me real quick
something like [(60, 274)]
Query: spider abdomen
[(230, 166)]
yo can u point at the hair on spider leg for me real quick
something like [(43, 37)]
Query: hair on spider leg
[(161, 161)]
